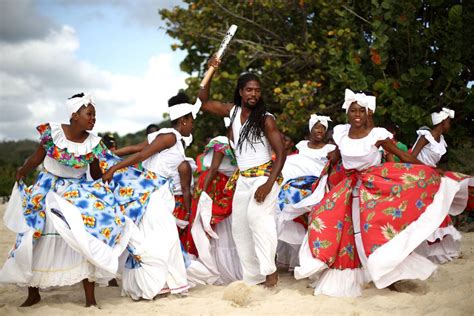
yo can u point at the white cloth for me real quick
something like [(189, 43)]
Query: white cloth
[(248, 156), (332, 282), (287, 255), (77, 149), (389, 263), (75, 104), (432, 152), (254, 229), (442, 246), (319, 118), (218, 253), (366, 101), (225, 253), (188, 140), (394, 260), (166, 162), (225, 167), (308, 161), (60, 140), (438, 117), (157, 242), (58, 169), (81, 255), (360, 153), (179, 110)]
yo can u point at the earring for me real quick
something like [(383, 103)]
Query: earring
[(184, 123)]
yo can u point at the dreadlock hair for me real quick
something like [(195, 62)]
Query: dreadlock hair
[(181, 97), (255, 124)]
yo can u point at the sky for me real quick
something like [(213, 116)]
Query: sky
[(115, 50)]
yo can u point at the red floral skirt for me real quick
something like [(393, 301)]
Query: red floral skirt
[(221, 205), (181, 213), (391, 197)]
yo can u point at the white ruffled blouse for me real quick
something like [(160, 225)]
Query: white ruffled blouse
[(166, 162), (308, 161), (78, 149), (362, 153), (433, 151)]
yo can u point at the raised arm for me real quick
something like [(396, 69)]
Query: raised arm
[(389, 146), (215, 107), (160, 143), (132, 149), (31, 163), (274, 137)]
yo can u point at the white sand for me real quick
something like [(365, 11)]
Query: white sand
[(449, 292)]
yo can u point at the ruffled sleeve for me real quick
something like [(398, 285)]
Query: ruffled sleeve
[(302, 145), (339, 132), (328, 148), (77, 149), (379, 133), (437, 147), (66, 152), (313, 153)]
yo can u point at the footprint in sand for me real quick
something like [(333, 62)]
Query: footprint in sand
[(409, 287), (241, 294)]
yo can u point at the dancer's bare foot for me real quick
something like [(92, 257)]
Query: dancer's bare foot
[(113, 283), (271, 280), (33, 297), (89, 292)]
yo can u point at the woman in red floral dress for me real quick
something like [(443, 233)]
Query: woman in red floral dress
[(366, 228)]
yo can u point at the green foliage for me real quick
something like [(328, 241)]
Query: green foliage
[(12, 155), (413, 55)]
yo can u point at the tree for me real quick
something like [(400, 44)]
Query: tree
[(413, 55)]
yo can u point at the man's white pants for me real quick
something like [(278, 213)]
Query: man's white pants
[(254, 229)]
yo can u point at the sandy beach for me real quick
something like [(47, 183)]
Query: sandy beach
[(448, 292)]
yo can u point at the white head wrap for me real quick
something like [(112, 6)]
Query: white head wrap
[(366, 101), (179, 110), (438, 117), (74, 104), (319, 118)]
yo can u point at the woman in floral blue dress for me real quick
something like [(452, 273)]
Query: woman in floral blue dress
[(68, 229)]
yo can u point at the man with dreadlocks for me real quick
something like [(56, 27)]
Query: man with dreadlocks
[(253, 136)]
